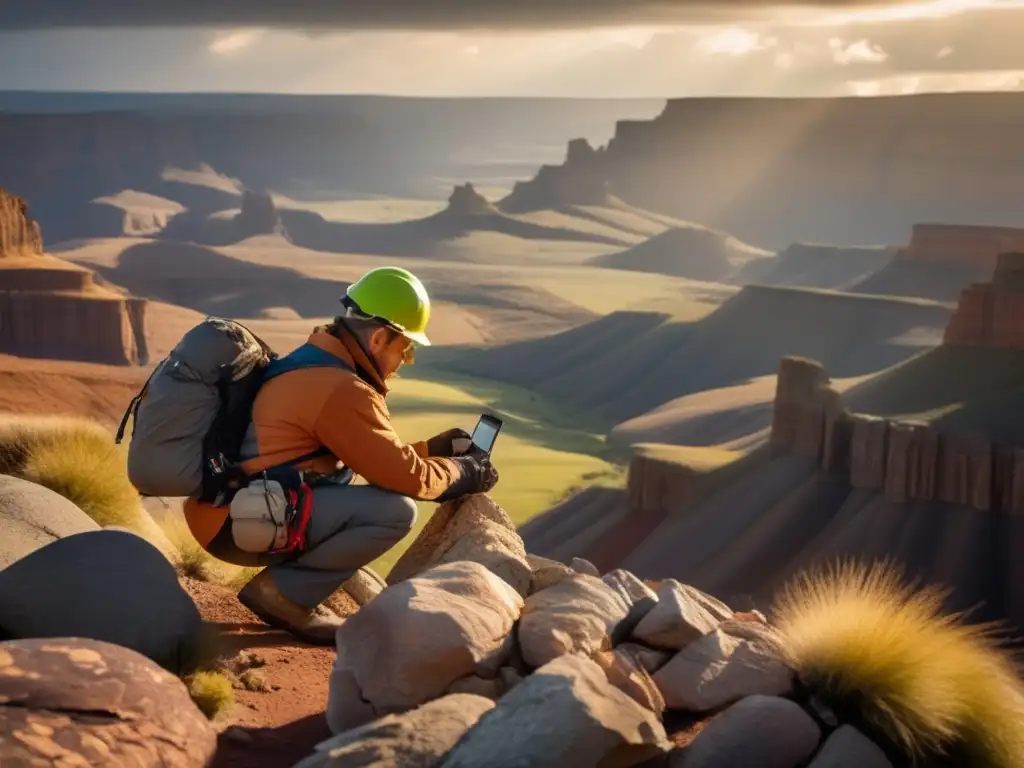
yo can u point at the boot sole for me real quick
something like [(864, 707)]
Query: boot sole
[(272, 621)]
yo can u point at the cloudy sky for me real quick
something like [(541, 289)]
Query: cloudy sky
[(647, 48)]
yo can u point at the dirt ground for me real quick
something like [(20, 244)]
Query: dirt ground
[(282, 724)]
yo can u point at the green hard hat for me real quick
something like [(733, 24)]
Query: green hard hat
[(397, 297)]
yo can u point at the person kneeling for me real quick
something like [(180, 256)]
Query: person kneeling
[(338, 408)]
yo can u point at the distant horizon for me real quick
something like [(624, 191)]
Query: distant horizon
[(512, 96)]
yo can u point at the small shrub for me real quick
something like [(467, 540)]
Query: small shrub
[(74, 457), (882, 653), (212, 692), (253, 681)]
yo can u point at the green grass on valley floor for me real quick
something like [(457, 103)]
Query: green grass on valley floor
[(539, 456)]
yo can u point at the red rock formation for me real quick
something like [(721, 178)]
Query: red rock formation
[(19, 235), (992, 314), (958, 244), (911, 467), (51, 308), (656, 485), (904, 460), (798, 418)]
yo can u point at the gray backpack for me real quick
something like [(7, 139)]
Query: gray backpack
[(191, 417)]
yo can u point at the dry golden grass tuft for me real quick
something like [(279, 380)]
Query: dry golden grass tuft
[(212, 692), (883, 652), (74, 457)]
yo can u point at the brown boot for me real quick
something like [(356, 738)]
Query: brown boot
[(314, 625)]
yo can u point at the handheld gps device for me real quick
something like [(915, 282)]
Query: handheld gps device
[(486, 432)]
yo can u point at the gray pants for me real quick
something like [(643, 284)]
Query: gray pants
[(350, 526)]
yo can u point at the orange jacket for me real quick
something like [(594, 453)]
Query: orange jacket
[(300, 411)]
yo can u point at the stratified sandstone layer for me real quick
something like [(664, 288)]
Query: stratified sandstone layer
[(50, 308), (992, 314), (905, 461), (959, 244)]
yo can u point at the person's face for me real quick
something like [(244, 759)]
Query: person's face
[(390, 350)]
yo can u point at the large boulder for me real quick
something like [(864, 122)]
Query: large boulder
[(565, 713), (420, 737), (76, 702), (472, 528), (411, 642), (32, 516), (105, 585), (576, 615)]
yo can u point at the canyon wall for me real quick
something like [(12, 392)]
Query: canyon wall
[(848, 170), (956, 244), (905, 461), (50, 308), (659, 485), (992, 314)]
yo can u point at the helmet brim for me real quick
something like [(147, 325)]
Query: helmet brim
[(417, 336)]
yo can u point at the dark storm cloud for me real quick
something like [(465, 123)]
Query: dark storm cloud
[(383, 14)]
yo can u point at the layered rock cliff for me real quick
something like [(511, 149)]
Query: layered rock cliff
[(905, 461), (958, 244), (50, 308), (580, 180), (992, 314), (777, 171)]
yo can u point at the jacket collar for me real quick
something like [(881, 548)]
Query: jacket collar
[(347, 347)]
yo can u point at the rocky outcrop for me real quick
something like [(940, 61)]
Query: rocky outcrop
[(32, 516), (72, 701), (960, 244), (50, 308), (992, 314), (580, 180), (906, 461), (466, 201), (258, 215), (106, 585), (19, 235), (449, 667)]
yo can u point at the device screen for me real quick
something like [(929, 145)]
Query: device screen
[(484, 434)]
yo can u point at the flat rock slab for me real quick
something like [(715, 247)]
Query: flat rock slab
[(32, 516), (564, 714), (420, 737), (75, 702), (104, 585)]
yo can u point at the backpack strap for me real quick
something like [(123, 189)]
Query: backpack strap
[(306, 356)]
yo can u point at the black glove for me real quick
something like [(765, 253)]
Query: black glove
[(444, 444), (478, 476)]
